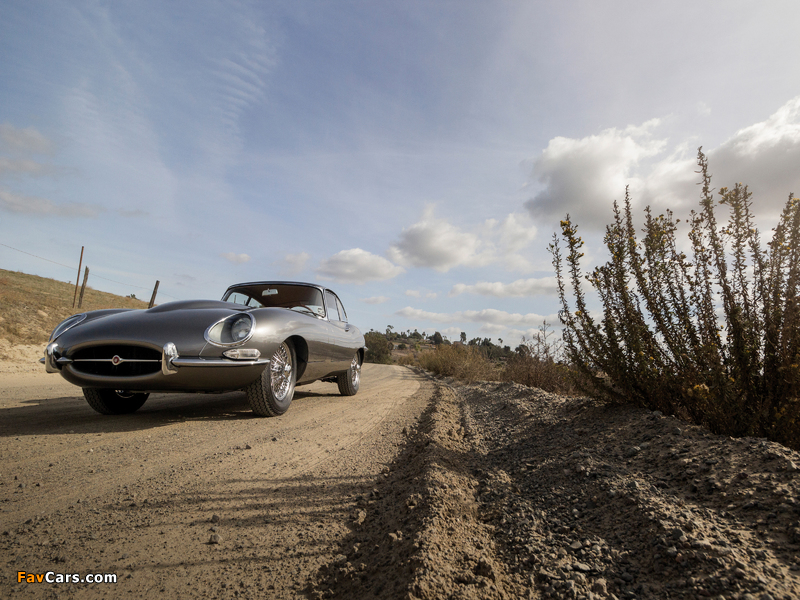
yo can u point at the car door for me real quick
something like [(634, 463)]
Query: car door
[(343, 343)]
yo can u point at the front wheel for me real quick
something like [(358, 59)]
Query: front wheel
[(350, 380), (271, 394), (114, 402)]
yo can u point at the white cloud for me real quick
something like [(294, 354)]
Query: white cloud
[(292, 264), (14, 139), (32, 205), (583, 177), (413, 293), (765, 156), (237, 259), (375, 300), (487, 316), (357, 266), (434, 243), (520, 287), (437, 244)]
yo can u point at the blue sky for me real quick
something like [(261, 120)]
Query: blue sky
[(414, 156)]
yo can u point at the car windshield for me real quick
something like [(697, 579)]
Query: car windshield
[(302, 298)]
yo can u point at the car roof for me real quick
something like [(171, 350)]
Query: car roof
[(315, 285)]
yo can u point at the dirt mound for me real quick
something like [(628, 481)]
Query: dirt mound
[(505, 491)]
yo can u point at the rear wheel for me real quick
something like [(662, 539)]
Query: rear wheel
[(350, 380), (271, 394), (114, 402)]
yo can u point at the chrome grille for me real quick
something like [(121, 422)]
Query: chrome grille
[(117, 360)]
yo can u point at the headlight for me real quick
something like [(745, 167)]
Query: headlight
[(240, 328), (233, 330), (66, 324)]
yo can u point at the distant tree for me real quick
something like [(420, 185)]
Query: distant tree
[(463, 337), (437, 339), (379, 349)]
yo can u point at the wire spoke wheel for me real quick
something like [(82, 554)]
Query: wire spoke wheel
[(281, 371), (271, 394), (350, 380), (355, 370)]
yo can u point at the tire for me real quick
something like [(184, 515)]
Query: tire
[(350, 380), (114, 402), (271, 394)]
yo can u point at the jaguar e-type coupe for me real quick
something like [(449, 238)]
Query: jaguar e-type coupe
[(264, 338)]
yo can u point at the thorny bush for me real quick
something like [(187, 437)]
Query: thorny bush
[(713, 337)]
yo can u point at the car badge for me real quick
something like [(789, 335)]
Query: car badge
[(116, 360)]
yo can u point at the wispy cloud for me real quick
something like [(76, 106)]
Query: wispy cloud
[(32, 205), (292, 264), (237, 259), (24, 140), (375, 300), (24, 166), (518, 288)]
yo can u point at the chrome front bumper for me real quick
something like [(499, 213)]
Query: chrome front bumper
[(170, 360)]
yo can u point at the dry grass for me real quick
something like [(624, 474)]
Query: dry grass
[(31, 306), (541, 373), (466, 363)]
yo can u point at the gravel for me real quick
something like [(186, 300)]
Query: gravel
[(505, 491)]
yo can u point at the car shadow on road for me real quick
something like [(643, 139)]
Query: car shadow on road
[(72, 415)]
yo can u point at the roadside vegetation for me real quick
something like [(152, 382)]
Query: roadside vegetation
[(706, 328), (536, 362), (710, 334)]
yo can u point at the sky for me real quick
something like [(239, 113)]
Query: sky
[(416, 157)]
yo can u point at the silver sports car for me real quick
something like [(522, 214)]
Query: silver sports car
[(264, 338)]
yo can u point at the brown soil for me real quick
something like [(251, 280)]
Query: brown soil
[(414, 488)]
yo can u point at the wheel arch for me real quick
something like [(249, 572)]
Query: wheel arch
[(300, 353)]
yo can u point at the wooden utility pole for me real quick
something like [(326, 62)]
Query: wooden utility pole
[(153, 297), (83, 287), (77, 279)]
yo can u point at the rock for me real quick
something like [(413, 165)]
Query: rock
[(599, 586), (215, 538), (581, 567), (632, 451), (215, 518), (576, 545)]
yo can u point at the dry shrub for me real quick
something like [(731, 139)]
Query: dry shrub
[(545, 374), (466, 363), (713, 337)]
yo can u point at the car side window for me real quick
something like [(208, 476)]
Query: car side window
[(330, 302), (342, 314)]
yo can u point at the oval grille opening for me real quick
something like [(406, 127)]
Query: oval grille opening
[(117, 360)]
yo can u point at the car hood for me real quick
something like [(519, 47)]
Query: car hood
[(182, 323)]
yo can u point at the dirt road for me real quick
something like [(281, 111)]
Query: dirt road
[(415, 489), (141, 495)]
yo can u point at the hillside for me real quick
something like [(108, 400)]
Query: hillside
[(31, 307)]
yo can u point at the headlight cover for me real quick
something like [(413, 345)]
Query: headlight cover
[(67, 323), (231, 331)]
